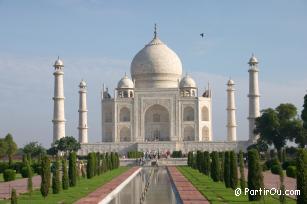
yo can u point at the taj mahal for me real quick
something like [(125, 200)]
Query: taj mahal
[(157, 109)]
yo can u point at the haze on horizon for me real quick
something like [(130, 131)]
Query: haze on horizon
[(98, 39)]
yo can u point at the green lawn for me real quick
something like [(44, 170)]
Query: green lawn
[(84, 187), (217, 193), (18, 176)]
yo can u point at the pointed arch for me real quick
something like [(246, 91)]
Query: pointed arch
[(125, 135), (205, 113), (188, 114), (205, 134), (189, 133), (124, 115)]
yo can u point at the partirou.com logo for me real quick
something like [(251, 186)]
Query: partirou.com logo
[(264, 191)]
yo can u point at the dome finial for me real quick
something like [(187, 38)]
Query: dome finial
[(155, 32)]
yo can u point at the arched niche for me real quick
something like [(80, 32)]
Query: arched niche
[(124, 135), (188, 114), (188, 133), (204, 113), (124, 115)]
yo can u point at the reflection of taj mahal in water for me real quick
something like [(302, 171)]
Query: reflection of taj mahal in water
[(157, 109)]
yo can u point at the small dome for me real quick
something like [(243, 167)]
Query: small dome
[(58, 63), (230, 82), (82, 84), (253, 60), (125, 83), (187, 82), (156, 66)]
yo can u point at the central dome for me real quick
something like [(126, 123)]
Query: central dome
[(156, 66)]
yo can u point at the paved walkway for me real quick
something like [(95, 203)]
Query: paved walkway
[(20, 185), (101, 192), (272, 181), (187, 192)]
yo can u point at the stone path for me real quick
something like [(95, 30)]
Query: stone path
[(272, 181), (20, 185), (187, 192), (101, 192)]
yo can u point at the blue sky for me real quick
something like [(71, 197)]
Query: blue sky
[(98, 39)]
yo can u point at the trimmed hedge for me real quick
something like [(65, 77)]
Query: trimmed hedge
[(291, 171), (3, 166), (135, 154), (276, 169), (72, 169), (255, 177), (9, 175), (177, 154), (288, 163)]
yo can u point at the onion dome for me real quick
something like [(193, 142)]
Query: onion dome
[(82, 84), (187, 82), (253, 60), (58, 63), (156, 66), (125, 83), (230, 82)]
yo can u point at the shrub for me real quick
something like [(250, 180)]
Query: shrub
[(3, 166), (227, 170), (9, 175), (72, 170), (56, 183), (276, 169), (45, 175), (242, 177), (233, 170), (255, 178), (135, 154), (207, 164), (301, 177), (291, 171), (90, 165), (177, 154), (13, 197), (215, 167), (36, 167), (65, 180), (24, 172), (190, 159), (17, 166), (288, 163)]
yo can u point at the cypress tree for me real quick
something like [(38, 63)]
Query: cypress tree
[(198, 160), (90, 165), (207, 163), (194, 162), (29, 182), (227, 169), (98, 165), (215, 167), (113, 160), (190, 159), (72, 170), (13, 197), (65, 180), (242, 176), (117, 160), (301, 177), (56, 183), (233, 170), (221, 155), (282, 198), (255, 178), (45, 176)]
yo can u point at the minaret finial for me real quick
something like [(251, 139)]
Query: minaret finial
[(155, 32)]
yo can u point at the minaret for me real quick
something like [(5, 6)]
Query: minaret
[(58, 110), (231, 112), (254, 107), (82, 113)]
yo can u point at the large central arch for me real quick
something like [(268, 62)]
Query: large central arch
[(157, 124)]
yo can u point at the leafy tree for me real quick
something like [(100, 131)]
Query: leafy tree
[(301, 177), (233, 170), (72, 170), (45, 176), (277, 126), (11, 147), (65, 180), (255, 178), (56, 183), (242, 176), (34, 149), (261, 146), (3, 147), (215, 167), (52, 151), (207, 164), (13, 197), (67, 144), (227, 169)]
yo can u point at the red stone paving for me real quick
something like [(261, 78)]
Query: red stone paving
[(100, 193), (187, 192), (20, 185), (272, 181)]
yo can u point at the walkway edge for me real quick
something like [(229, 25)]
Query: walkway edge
[(111, 195)]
